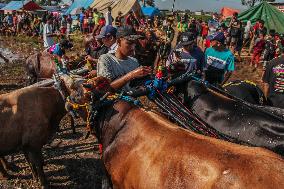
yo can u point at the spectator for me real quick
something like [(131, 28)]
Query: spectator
[(85, 23), (269, 48), (69, 24), (118, 19), (63, 25), (254, 36), (213, 23), (130, 19), (146, 49), (15, 21), (47, 33), (257, 50), (96, 16), (278, 45), (188, 54), (192, 27), (90, 21), (108, 16), (247, 33), (9, 19), (81, 19), (260, 28), (76, 24), (204, 33), (219, 61), (199, 34), (235, 33), (182, 25), (273, 80)]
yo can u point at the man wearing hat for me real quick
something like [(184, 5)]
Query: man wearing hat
[(187, 53), (108, 37), (219, 61), (120, 67)]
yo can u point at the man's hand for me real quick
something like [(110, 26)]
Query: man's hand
[(139, 72), (226, 77), (91, 59)]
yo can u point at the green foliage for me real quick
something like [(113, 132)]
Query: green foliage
[(202, 17)]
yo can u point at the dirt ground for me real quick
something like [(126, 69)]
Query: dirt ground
[(71, 160)]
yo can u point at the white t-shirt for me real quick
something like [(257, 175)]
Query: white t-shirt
[(47, 41), (111, 67)]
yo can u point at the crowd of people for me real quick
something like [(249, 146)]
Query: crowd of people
[(129, 46)]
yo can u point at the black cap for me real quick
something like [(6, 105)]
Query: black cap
[(107, 30), (186, 38), (127, 32)]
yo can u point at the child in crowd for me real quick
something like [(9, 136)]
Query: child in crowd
[(257, 50)]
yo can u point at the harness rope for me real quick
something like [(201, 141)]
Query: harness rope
[(92, 111), (160, 94)]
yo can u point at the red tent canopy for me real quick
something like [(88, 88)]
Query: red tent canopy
[(31, 6), (21, 5), (228, 12)]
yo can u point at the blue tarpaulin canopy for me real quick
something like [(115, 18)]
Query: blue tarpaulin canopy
[(150, 11), (18, 5), (78, 4), (2, 5)]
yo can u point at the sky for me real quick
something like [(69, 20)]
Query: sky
[(206, 5)]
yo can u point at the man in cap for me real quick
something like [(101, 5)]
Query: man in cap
[(219, 61), (108, 37), (188, 53), (120, 67)]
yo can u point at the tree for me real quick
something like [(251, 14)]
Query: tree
[(251, 3)]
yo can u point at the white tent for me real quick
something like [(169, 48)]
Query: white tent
[(123, 6)]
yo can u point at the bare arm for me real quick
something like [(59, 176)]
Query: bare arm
[(137, 73), (226, 77), (266, 89), (119, 83)]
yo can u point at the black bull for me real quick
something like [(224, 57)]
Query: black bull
[(251, 125), (247, 91)]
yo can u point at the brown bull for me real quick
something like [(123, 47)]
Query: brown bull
[(28, 119), (143, 150), (40, 66)]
